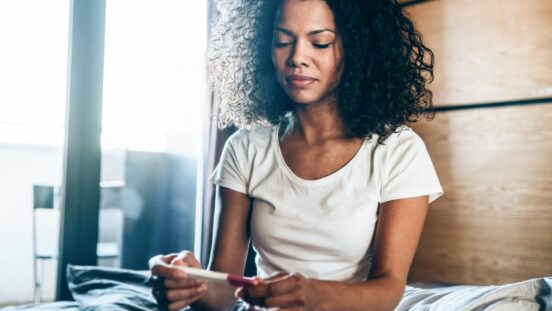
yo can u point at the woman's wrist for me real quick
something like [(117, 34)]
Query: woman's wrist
[(328, 294), (376, 294)]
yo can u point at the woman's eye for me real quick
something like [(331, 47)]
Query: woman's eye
[(321, 46), (281, 44)]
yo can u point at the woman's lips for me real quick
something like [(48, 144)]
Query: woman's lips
[(300, 81)]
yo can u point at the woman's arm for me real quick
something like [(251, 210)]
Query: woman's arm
[(229, 247), (397, 234), (400, 224)]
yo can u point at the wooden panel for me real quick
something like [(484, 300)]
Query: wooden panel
[(494, 223), (488, 50)]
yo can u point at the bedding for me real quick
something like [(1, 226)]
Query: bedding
[(534, 294), (101, 288)]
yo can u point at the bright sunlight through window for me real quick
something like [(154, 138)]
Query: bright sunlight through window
[(154, 73)]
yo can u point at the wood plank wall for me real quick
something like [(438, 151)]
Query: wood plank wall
[(488, 50), (491, 147)]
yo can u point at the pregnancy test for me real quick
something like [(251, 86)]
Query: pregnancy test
[(217, 277)]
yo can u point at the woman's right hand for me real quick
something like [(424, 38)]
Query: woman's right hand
[(171, 287)]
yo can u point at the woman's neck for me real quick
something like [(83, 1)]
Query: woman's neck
[(316, 122)]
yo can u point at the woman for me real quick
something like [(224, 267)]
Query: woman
[(321, 91)]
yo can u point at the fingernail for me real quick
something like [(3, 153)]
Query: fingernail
[(202, 288), (239, 292)]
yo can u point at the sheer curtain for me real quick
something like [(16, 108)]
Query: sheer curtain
[(215, 142)]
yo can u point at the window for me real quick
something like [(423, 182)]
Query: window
[(33, 59)]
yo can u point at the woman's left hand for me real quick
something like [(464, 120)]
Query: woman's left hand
[(284, 291)]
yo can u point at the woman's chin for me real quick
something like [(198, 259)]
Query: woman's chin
[(303, 99)]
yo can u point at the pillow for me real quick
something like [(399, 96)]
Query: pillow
[(103, 288), (50, 306)]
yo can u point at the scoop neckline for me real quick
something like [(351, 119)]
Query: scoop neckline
[(312, 182)]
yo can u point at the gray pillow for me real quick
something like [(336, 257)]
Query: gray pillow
[(102, 288)]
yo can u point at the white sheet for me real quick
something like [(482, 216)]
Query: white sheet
[(533, 294)]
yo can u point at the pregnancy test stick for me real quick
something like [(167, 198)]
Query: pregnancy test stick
[(217, 277)]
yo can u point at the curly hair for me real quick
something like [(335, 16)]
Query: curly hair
[(383, 85)]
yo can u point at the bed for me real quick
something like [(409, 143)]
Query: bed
[(101, 288)]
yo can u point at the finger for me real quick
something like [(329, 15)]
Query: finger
[(262, 289), (161, 259), (186, 258), (182, 283), (249, 303), (276, 286), (238, 293), (168, 272), (257, 291), (249, 299), (174, 295), (185, 254), (285, 285)]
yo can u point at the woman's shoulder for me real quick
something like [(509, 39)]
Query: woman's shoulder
[(259, 135), (401, 137)]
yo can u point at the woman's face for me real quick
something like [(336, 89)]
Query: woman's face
[(306, 50)]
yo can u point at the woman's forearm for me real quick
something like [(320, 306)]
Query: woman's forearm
[(383, 293)]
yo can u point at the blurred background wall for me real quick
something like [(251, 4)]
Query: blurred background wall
[(491, 140)]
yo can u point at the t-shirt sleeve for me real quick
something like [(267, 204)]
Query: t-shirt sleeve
[(231, 170), (408, 170)]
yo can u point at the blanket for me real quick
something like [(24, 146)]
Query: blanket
[(101, 288)]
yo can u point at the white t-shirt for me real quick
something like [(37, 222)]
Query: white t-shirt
[(322, 228)]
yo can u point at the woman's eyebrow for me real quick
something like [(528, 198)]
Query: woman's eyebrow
[(314, 32)]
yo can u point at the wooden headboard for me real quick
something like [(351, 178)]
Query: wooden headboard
[(491, 141), (494, 223)]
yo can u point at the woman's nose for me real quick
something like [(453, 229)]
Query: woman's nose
[(299, 55)]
